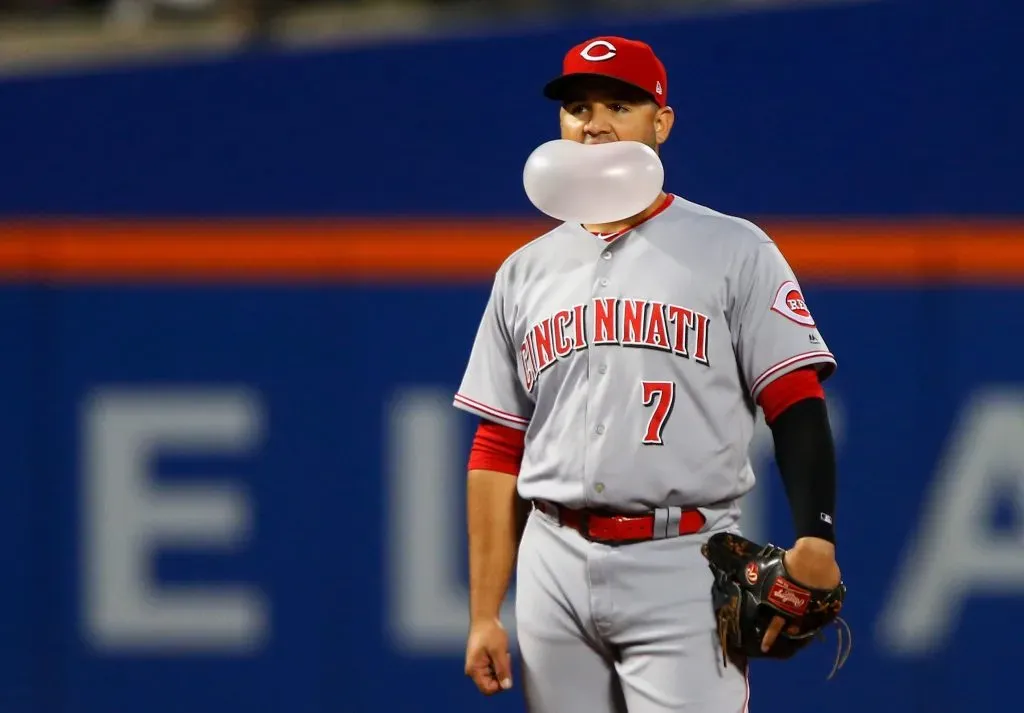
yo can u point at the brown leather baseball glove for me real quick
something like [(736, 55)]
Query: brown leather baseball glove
[(751, 587)]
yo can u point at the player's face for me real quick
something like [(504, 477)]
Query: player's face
[(600, 111)]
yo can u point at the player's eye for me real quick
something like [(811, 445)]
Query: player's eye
[(619, 108), (576, 109)]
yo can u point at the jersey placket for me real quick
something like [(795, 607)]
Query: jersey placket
[(604, 285)]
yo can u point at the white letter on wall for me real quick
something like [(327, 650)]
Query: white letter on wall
[(956, 554), (429, 600), (127, 516)]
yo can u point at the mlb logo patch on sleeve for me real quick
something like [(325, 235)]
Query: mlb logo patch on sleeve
[(789, 302)]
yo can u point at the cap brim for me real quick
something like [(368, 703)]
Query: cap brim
[(559, 87)]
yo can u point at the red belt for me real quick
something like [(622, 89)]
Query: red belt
[(615, 528)]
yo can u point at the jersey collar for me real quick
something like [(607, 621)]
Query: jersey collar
[(612, 237)]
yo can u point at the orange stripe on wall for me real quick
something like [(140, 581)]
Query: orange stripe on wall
[(424, 251)]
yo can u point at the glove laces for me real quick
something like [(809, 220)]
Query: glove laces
[(844, 635)]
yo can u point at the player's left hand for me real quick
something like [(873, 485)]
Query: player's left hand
[(811, 562)]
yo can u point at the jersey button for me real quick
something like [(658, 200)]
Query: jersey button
[(599, 430), (604, 282), (603, 368), (599, 487), (606, 255)]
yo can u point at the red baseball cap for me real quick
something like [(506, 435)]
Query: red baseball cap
[(629, 61)]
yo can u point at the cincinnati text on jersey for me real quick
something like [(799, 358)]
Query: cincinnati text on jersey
[(614, 321)]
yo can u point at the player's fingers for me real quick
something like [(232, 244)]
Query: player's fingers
[(482, 674), (502, 668), (773, 631), (479, 669)]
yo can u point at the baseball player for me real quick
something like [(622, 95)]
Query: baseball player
[(616, 374)]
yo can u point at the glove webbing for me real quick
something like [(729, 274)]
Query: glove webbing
[(728, 622)]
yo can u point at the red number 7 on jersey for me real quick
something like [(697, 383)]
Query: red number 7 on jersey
[(662, 395)]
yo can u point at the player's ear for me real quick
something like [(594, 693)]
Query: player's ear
[(663, 120)]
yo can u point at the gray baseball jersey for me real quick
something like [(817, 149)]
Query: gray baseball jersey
[(634, 363)]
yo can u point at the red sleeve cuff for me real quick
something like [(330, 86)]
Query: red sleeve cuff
[(785, 391), (497, 447)]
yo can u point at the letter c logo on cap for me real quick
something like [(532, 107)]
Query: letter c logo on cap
[(608, 46)]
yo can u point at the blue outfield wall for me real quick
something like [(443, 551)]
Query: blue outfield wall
[(879, 107), (214, 500), (247, 499)]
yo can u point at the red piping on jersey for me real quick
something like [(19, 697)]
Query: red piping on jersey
[(497, 447), (484, 409), (788, 389), (826, 361), (664, 204)]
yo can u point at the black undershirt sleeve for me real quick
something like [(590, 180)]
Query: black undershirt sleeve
[(805, 454)]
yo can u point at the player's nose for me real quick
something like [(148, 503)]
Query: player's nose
[(597, 132), (598, 128)]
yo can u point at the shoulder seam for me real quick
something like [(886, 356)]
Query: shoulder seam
[(702, 211)]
